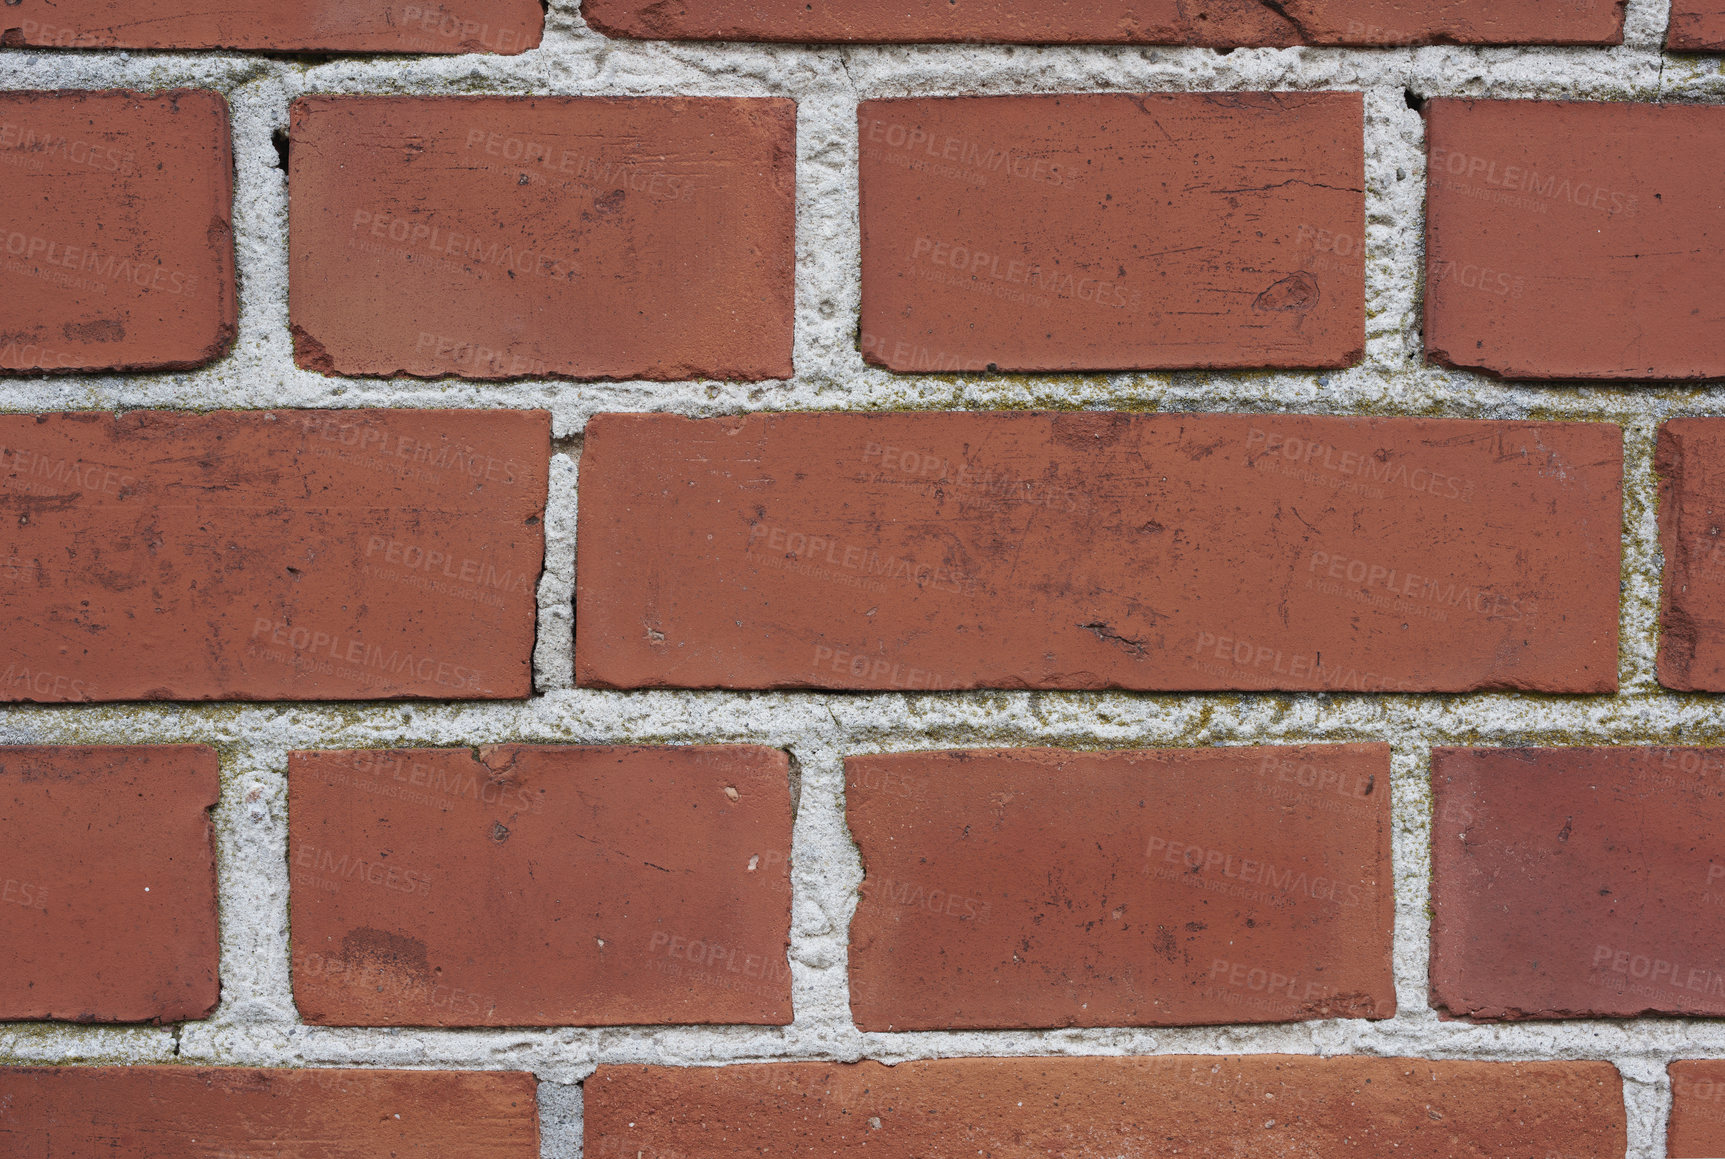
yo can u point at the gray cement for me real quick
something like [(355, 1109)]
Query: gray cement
[(256, 1024)]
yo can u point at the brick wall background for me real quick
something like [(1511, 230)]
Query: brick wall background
[(256, 1023)]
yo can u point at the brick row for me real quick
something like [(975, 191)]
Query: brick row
[(454, 236), (1001, 889)]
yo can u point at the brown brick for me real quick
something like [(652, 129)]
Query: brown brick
[(117, 251), (428, 26), (1166, 1106), (1696, 26), (541, 886), (1219, 23), (543, 237), (1575, 239), (161, 1112), (108, 887), (1697, 1126), (282, 555), (1105, 232), (1692, 537), (927, 552), (1039, 888), (1577, 883)]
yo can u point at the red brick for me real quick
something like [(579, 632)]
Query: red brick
[(1697, 1126), (1577, 883), (1575, 239), (126, 934), (161, 1112), (430, 26), (1172, 887), (282, 555), (1105, 232), (1220, 23), (1086, 550), (541, 886), (1691, 527), (117, 249), (540, 237), (1170, 1105), (1696, 26)]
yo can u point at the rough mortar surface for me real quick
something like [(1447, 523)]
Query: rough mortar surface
[(256, 1025)]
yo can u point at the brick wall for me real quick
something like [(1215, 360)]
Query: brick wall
[(1154, 570)]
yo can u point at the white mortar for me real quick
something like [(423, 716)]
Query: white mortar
[(256, 1024)]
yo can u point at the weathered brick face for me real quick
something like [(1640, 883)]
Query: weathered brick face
[(655, 579)]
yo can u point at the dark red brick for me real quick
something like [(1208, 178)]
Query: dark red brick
[(1169, 887), (1220, 23), (541, 886), (116, 250), (1088, 550), (1171, 1105), (430, 26), (1577, 883), (281, 555), (108, 884), (543, 237), (1692, 538), (1696, 26), (1112, 231), (1697, 1126), (170, 1112), (1575, 239)]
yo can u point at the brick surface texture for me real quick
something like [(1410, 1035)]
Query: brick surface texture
[(955, 551), (991, 239), (654, 579), (1042, 888), (108, 904), (534, 886), (118, 238), (1222, 23)]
